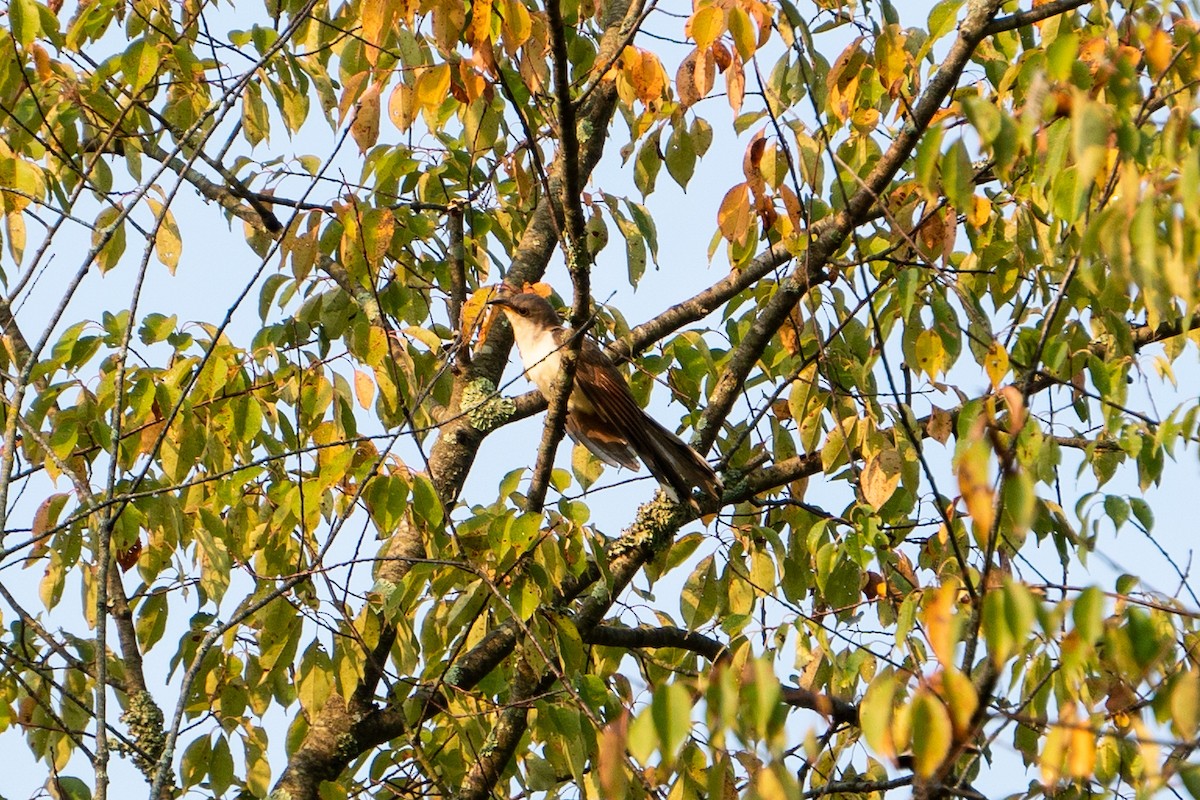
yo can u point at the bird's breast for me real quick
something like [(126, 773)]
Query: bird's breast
[(542, 358)]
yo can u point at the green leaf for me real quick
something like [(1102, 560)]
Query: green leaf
[(1185, 703), (649, 161), (587, 467), (157, 327), (1117, 510), (24, 20), (958, 177), (932, 733), (1087, 613), (681, 156), (984, 116), (671, 710), (875, 714), (315, 680), (139, 64), (942, 18)]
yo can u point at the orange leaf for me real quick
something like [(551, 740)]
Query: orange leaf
[(735, 85), (940, 623), (733, 217), (377, 17), (364, 388), (481, 22), (706, 72)]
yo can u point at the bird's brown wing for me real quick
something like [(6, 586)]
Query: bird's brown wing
[(604, 443), (675, 465)]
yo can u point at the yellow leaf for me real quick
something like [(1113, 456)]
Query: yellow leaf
[(1053, 753), (742, 30), (167, 243), (365, 127), (876, 712), (473, 314), (1081, 755), (433, 85), (979, 212), (975, 486), (706, 26), (892, 60), (41, 61), (961, 699), (1185, 703), (735, 85), (995, 363), (517, 25), (931, 354), (767, 785), (931, 733), (14, 223), (843, 79), (449, 19), (364, 388), (481, 22), (647, 75), (1158, 51)]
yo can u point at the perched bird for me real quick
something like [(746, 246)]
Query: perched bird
[(601, 413)]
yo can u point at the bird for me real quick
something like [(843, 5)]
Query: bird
[(601, 412)]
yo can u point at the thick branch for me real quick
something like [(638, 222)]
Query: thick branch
[(667, 636), (578, 259), (1023, 18)]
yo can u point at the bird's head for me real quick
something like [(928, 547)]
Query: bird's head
[(532, 309)]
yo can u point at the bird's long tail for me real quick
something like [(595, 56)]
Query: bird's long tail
[(677, 466)]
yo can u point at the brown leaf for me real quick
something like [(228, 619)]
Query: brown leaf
[(721, 56), (611, 757), (753, 158), (127, 558), (365, 128), (685, 81), (940, 425)]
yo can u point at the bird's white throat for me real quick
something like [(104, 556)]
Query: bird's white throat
[(539, 351)]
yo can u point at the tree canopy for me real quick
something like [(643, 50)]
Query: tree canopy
[(953, 272)]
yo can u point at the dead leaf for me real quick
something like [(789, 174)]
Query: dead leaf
[(880, 477), (365, 128)]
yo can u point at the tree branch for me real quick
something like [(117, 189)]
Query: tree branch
[(667, 636), (1037, 14)]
